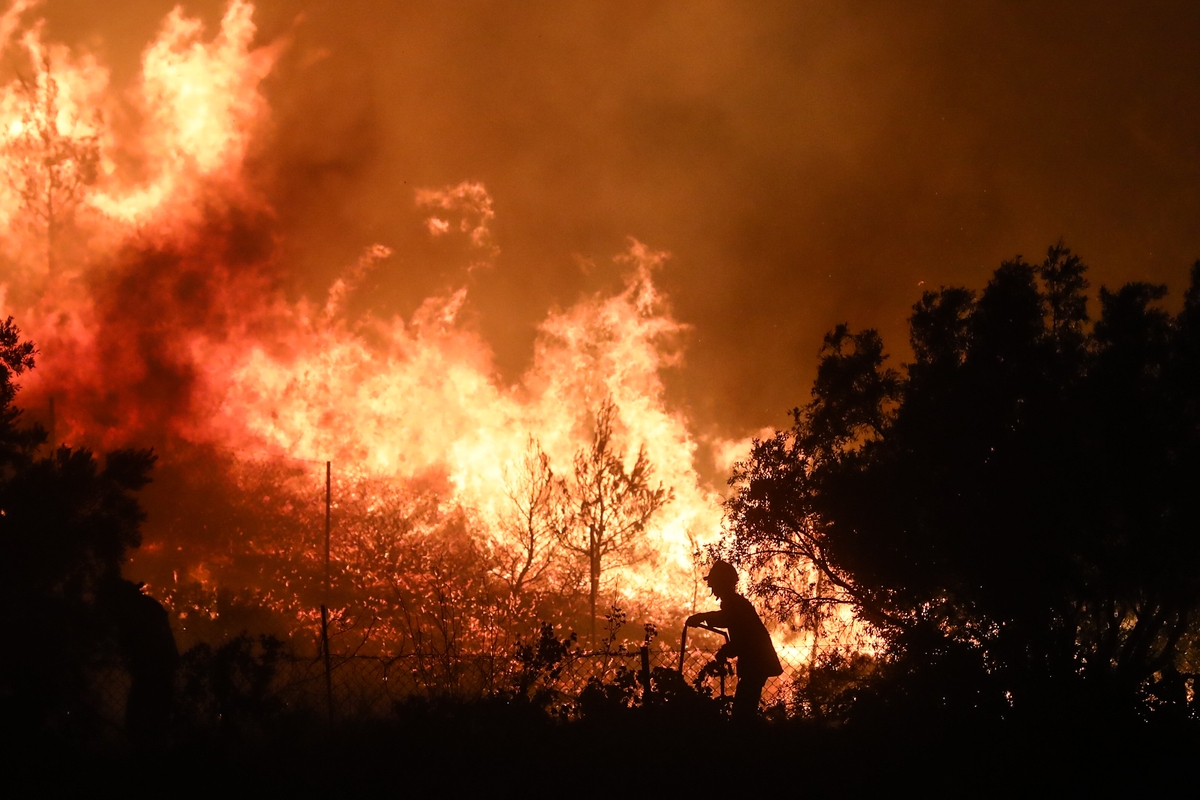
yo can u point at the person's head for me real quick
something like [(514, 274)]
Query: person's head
[(722, 579)]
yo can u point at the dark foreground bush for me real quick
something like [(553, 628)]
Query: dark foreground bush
[(454, 748)]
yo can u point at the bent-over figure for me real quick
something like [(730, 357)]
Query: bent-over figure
[(748, 642)]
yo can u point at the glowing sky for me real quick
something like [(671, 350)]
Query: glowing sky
[(804, 163)]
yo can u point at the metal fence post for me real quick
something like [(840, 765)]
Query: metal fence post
[(644, 674), (324, 607)]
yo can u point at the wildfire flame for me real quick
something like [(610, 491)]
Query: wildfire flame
[(155, 327)]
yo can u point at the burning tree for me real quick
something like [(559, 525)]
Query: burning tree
[(185, 230), (608, 506), (50, 158), (529, 533)]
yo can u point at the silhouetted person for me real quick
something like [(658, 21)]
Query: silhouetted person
[(748, 642), (148, 648)]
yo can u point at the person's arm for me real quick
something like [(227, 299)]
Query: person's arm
[(717, 619)]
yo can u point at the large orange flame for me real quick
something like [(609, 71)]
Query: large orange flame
[(157, 325)]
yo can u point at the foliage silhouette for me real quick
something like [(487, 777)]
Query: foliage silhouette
[(66, 525), (228, 689), (1016, 513), (541, 663)]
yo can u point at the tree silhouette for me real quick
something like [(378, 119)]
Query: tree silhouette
[(66, 524), (1016, 513), (608, 506)]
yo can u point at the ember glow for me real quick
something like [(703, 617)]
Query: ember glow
[(141, 259)]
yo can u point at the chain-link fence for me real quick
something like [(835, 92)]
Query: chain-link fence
[(371, 686), (361, 688)]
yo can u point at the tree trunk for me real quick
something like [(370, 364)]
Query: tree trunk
[(815, 621), (595, 591), (50, 232)]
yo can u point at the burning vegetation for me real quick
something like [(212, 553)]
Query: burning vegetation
[(332, 480), (142, 257)]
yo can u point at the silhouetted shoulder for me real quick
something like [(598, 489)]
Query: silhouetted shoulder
[(749, 639)]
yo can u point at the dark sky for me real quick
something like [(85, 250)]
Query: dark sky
[(805, 163)]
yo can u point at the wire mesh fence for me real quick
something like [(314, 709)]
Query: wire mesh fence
[(372, 686), (362, 688)]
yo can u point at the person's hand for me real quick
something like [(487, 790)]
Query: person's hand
[(723, 653), (694, 620)]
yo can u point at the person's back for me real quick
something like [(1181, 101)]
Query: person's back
[(749, 640), (150, 654)]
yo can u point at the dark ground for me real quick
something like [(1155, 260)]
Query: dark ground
[(498, 753)]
